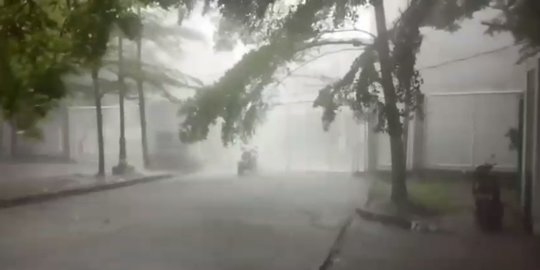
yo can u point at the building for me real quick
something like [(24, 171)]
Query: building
[(53, 144), (530, 169)]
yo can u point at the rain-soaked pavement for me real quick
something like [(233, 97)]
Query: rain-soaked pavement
[(371, 245), (196, 222)]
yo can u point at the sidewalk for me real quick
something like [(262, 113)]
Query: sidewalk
[(370, 245), (30, 182)]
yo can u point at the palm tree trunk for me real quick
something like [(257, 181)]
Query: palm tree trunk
[(142, 102), (99, 120), (399, 187)]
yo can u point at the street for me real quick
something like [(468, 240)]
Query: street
[(195, 222)]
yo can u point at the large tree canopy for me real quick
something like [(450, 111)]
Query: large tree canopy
[(44, 40), (522, 19), (284, 32), (33, 56)]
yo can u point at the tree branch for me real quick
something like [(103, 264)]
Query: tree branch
[(356, 42), (170, 97), (318, 77), (281, 80), (348, 30), (495, 24)]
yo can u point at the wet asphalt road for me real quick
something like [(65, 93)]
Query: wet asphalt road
[(202, 222)]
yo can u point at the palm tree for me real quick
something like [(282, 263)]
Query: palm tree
[(156, 76), (142, 102)]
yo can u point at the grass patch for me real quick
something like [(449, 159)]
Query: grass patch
[(435, 197), (426, 198)]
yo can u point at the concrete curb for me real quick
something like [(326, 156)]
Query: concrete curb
[(335, 249), (48, 196), (401, 222)]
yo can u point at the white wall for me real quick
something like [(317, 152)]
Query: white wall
[(50, 144), (463, 131), (83, 134), (292, 138)]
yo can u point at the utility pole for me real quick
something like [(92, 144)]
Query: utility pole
[(122, 167)]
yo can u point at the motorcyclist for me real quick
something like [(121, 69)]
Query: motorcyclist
[(248, 160), (486, 192), (246, 155)]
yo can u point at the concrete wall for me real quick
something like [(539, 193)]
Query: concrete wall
[(51, 144)]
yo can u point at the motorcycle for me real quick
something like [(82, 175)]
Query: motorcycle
[(248, 162), (487, 198)]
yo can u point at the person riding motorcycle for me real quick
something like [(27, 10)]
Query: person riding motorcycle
[(248, 161)]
